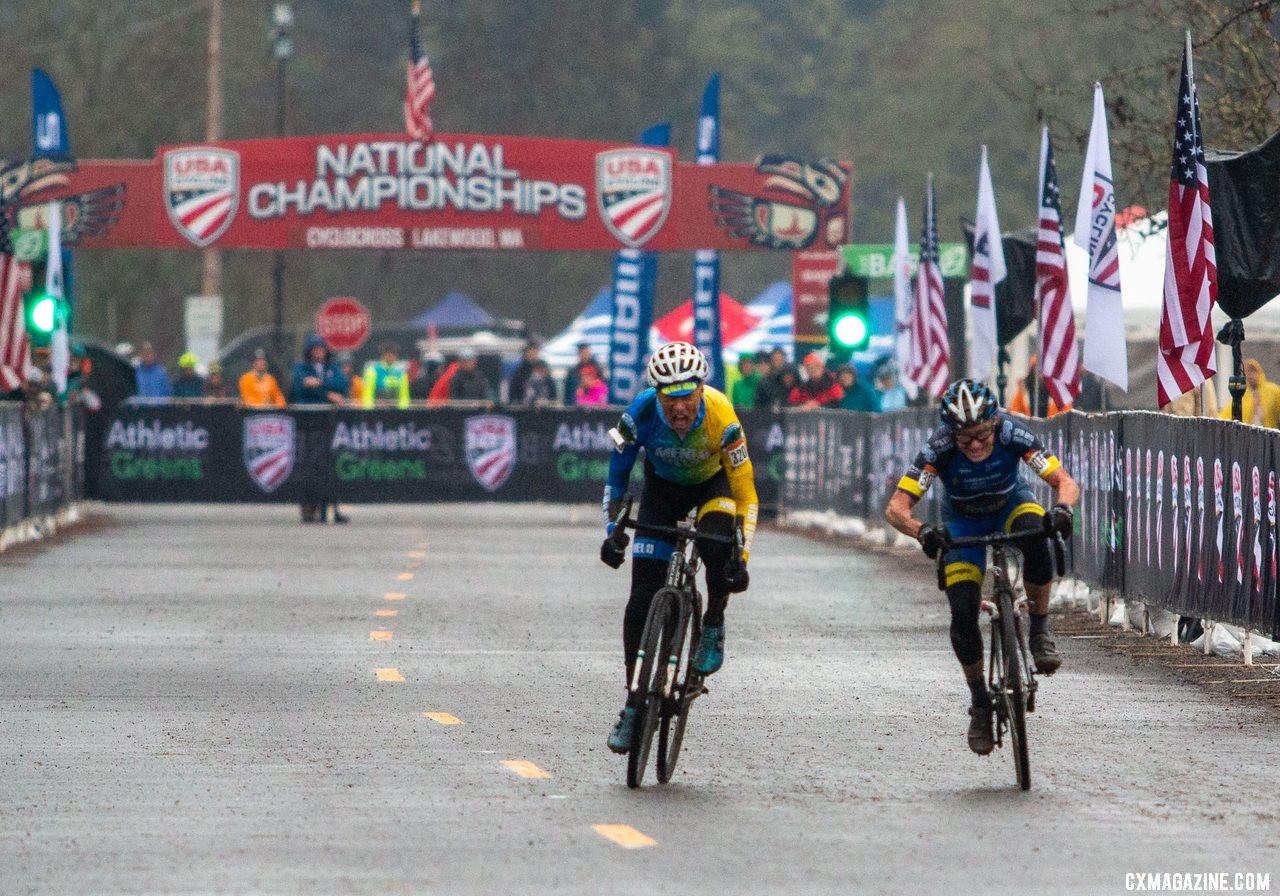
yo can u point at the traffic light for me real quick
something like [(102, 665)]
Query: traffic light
[(848, 316), (41, 316)]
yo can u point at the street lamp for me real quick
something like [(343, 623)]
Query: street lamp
[(281, 36)]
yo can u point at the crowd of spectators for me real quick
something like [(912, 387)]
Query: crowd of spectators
[(765, 380)]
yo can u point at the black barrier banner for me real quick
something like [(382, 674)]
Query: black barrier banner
[(225, 453), (13, 465)]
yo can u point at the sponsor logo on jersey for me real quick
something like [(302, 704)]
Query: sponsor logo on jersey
[(490, 448), (633, 190), (268, 450), (201, 191)]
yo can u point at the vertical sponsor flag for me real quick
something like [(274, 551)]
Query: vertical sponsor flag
[(1059, 358), (48, 128), (902, 298), (635, 276), (706, 262), (988, 270), (15, 351), (930, 353), (420, 89), (1105, 351), (1186, 357), (59, 345)]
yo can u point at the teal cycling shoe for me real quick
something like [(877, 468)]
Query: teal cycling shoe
[(709, 656), (620, 736)]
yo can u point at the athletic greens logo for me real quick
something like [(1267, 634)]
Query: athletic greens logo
[(582, 452), (151, 451), (361, 452)]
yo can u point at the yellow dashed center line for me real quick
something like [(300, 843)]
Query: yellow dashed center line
[(443, 718), (388, 674), (624, 835), (386, 612), (380, 634), (525, 769), (404, 576), (395, 595), (417, 555)]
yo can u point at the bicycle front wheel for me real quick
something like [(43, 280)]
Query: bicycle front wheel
[(653, 663), (1014, 692), (688, 684)]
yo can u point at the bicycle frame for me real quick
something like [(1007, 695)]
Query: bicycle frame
[(1010, 670)]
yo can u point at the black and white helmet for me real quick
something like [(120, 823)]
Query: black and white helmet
[(967, 402), (677, 362)]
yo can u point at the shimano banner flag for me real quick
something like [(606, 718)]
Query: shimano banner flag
[(706, 262), (635, 274)]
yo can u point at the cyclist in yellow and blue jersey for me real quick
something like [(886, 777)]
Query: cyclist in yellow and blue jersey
[(976, 454), (695, 457)]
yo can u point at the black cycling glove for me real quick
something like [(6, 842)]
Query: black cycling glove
[(736, 576), (613, 550), (1059, 520), (933, 541)]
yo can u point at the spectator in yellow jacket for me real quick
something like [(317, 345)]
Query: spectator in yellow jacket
[(1261, 405)]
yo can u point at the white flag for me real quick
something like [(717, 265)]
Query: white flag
[(988, 270), (902, 297), (1105, 352), (59, 347)]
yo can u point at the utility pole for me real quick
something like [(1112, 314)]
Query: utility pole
[(281, 35), (211, 281)]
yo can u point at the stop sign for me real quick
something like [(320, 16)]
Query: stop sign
[(343, 323)]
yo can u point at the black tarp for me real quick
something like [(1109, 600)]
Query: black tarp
[(1244, 192)]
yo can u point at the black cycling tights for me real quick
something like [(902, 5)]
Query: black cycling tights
[(648, 575)]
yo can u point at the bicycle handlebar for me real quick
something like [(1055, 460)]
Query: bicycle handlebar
[(1002, 538), (624, 521)]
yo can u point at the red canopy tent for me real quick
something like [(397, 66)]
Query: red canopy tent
[(677, 325)]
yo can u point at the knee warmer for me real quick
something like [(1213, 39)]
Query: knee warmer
[(714, 555), (966, 639), (1037, 565), (647, 577)]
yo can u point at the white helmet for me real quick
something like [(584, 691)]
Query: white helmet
[(677, 362)]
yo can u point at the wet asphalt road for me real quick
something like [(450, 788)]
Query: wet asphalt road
[(204, 699)]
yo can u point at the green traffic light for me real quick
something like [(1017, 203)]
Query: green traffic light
[(850, 330), (44, 310)]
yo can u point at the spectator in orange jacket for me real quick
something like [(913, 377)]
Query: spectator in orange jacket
[(258, 388)]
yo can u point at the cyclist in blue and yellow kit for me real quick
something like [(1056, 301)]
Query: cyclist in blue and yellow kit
[(695, 456), (975, 454)]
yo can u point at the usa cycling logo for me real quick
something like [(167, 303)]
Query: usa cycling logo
[(490, 447), (633, 191), (268, 450), (201, 191)]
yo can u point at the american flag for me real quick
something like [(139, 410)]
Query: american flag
[(421, 88), (1186, 357), (930, 353), (1059, 357), (15, 351)]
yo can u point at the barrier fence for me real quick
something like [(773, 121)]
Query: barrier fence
[(1175, 512), (42, 454), (211, 452)]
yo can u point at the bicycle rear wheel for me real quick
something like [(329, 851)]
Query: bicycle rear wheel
[(657, 632), (1015, 690), (688, 684)]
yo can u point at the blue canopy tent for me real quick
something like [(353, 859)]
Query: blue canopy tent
[(456, 311)]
